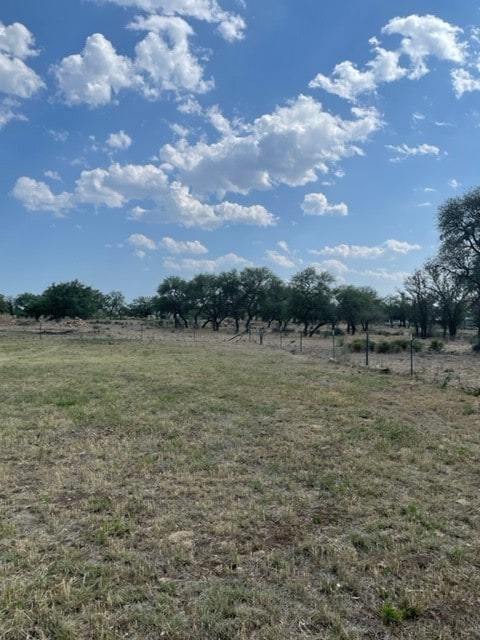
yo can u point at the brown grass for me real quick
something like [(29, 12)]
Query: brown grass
[(215, 490)]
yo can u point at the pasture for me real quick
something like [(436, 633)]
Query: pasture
[(214, 490)]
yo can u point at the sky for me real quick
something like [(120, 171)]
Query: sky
[(146, 138)]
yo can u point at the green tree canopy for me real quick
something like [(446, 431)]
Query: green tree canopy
[(71, 299)]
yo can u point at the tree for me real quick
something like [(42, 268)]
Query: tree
[(459, 225), (450, 294), (423, 312), (71, 299), (174, 298), (141, 307), (255, 283), (397, 308), (274, 305), (114, 304), (358, 305), (3, 304), (29, 305), (311, 299), (213, 292)]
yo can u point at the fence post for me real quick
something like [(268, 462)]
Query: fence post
[(411, 354), (301, 342), (367, 349)]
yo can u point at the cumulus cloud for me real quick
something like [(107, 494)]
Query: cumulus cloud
[(164, 58), (424, 36), (279, 259), (352, 251), (96, 75), (421, 38), (349, 82), (289, 146), (192, 265), (316, 204), (139, 241), (464, 82), (162, 200), (119, 140), (17, 78), (398, 246), (37, 196), (180, 246), (163, 61), (454, 184), (231, 26)]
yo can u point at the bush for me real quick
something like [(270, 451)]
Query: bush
[(476, 346), (436, 346), (358, 345)]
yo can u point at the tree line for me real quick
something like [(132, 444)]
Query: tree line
[(445, 291)]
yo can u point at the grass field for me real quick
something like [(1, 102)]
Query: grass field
[(212, 491)]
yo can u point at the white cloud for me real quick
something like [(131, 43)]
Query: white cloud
[(404, 151), (335, 267), (163, 63), (279, 259), (16, 78), (118, 185), (289, 146), (139, 241), (424, 36), (316, 204), (398, 246), (464, 82), (230, 26), (176, 246), (348, 82), (37, 196), (119, 140), (8, 111), (454, 183), (384, 274), (424, 204), (352, 251), (228, 261), (164, 58), (96, 75), (347, 251), (283, 246), (53, 175)]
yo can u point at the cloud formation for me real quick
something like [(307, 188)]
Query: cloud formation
[(119, 185), (316, 204), (289, 146), (422, 37), (17, 79)]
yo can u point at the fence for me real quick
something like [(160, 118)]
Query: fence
[(382, 351)]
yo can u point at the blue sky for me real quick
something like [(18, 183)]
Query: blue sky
[(145, 138)]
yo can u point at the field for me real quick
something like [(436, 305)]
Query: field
[(189, 488)]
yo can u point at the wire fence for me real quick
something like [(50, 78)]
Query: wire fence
[(386, 351)]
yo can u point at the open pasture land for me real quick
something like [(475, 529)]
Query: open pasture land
[(218, 491)]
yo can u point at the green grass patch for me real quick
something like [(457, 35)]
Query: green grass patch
[(212, 490)]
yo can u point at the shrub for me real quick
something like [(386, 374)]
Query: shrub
[(476, 346), (436, 346), (358, 345)]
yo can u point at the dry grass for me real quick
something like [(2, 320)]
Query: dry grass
[(188, 491)]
